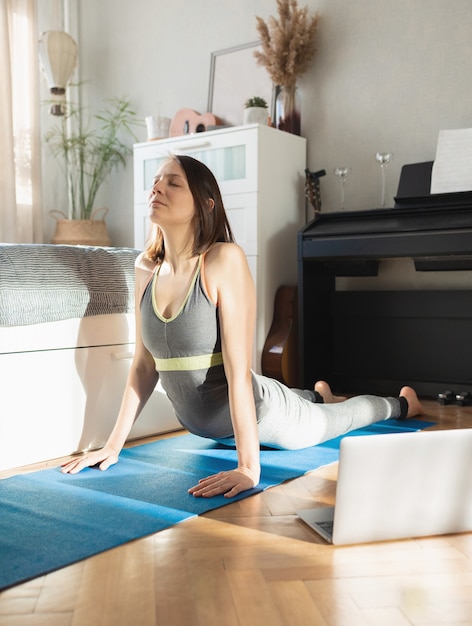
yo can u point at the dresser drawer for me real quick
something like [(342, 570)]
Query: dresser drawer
[(57, 402)]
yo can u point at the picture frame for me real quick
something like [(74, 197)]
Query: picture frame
[(235, 77)]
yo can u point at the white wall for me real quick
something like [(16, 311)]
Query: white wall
[(388, 75)]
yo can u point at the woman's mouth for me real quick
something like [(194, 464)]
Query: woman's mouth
[(156, 202)]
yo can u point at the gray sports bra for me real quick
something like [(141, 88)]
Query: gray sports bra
[(187, 353)]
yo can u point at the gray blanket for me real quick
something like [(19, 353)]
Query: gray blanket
[(47, 283)]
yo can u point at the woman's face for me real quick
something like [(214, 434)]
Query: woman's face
[(170, 199)]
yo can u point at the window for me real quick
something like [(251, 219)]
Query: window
[(19, 123)]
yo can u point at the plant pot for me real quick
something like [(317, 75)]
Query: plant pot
[(92, 232), (255, 115)]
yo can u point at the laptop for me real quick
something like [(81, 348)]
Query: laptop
[(395, 486)]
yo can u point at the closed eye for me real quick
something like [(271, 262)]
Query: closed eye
[(173, 180)]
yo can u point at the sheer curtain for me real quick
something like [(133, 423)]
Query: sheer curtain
[(20, 145)]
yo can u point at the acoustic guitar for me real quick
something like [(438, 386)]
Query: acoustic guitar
[(280, 354)]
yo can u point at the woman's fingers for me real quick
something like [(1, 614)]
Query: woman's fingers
[(227, 483), (101, 458)]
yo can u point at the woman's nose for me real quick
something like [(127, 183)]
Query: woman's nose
[(156, 186)]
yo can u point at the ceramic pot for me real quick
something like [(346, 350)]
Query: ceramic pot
[(255, 115)]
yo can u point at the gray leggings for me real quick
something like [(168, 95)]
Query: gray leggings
[(290, 419)]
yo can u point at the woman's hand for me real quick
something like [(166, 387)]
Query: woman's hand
[(102, 458), (228, 483)]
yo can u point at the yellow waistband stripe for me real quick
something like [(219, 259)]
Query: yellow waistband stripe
[(188, 363)]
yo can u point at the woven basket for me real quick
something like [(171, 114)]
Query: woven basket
[(92, 232)]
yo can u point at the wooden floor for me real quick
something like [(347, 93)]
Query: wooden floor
[(254, 563)]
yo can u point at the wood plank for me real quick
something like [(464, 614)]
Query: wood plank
[(252, 599), (295, 604)]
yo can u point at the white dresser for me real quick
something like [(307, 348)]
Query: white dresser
[(261, 173)]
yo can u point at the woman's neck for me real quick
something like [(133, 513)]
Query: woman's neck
[(179, 253)]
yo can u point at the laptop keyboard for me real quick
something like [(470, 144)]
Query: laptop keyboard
[(327, 526)]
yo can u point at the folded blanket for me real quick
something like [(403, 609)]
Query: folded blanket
[(47, 283)]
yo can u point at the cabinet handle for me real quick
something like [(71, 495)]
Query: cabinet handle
[(191, 146), (121, 356)]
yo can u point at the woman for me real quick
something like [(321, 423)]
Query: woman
[(195, 318)]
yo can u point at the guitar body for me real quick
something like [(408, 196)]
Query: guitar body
[(280, 353)]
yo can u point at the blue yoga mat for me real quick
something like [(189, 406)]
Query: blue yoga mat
[(49, 520)]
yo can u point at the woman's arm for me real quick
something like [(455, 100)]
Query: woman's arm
[(230, 284), (142, 379)]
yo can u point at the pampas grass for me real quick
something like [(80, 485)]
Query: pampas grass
[(288, 43)]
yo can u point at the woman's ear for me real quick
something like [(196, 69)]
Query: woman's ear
[(211, 204)]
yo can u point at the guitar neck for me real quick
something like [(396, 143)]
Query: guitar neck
[(312, 188)]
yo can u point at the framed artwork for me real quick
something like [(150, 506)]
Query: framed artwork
[(234, 77)]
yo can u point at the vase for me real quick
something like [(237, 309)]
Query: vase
[(287, 109)]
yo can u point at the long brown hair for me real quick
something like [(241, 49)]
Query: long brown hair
[(210, 225)]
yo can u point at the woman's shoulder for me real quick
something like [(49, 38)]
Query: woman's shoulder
[(144, 268), (225, 252), (224, 262), (143, 263)]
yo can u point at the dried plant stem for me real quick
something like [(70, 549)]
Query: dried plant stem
[(288, 43)]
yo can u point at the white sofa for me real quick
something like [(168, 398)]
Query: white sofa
[(66, 343)]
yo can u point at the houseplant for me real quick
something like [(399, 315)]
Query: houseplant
[(255, 111), (288, 46), (88, 148)]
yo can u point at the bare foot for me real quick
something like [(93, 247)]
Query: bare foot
[(325, 392), (414, 405)]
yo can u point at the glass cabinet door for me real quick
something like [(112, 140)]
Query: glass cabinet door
[(225, 163), (229, 155)]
